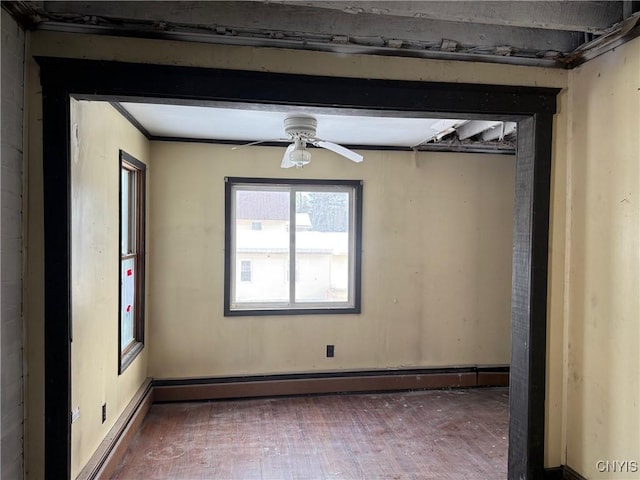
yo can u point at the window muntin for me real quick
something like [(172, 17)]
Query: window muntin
[(132, 267), (310, 233)]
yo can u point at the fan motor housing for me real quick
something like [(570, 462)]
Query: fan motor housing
[(301, 127)]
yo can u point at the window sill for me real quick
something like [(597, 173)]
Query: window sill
[(127, 358), (292, 311)]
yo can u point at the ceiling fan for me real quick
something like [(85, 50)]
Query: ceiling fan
[(302, 131)]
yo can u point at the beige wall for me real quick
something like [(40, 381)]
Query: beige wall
[(603, 323), (157, 51), (558, 232), (436, 265), (95, 173), (289, 61)]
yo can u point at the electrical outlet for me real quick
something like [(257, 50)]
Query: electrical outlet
[(75, 414), (330, 350), (104, 412)]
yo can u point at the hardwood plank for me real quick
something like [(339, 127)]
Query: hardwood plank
[(435, 434)]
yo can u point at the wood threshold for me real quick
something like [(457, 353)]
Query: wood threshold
[(104, 461)]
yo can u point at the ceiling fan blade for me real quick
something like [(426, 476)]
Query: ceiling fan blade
[(340, 150), (286, 161), (235, 147)]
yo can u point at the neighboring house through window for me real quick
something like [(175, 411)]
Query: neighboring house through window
[(305, 258), (245, 270), (132, 262)]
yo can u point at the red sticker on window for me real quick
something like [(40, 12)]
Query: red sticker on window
[(129, 272), (128, 308)]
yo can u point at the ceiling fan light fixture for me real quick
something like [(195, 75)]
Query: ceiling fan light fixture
[(300, 157)]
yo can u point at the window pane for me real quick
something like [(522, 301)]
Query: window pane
[(132, 262), (125, 209), (322, 246), (262, 255), (127, 304), (292, 246)]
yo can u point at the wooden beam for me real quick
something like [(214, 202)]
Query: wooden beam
[(623, 32), (306, 22), (578, 16), (500, 102)]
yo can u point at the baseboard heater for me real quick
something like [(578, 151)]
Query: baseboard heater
[(169, 390), (112, 449)]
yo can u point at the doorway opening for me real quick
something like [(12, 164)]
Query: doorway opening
[(531, 108)]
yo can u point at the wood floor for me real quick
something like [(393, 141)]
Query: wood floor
[(439, 435)]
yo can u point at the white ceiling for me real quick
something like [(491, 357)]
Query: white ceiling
[(235, 124)]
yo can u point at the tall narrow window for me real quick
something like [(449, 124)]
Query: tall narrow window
[(132, 263), (305, 258)]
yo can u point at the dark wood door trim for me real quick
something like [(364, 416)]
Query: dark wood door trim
[(57, 281), (532, 107), (529, 298)]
